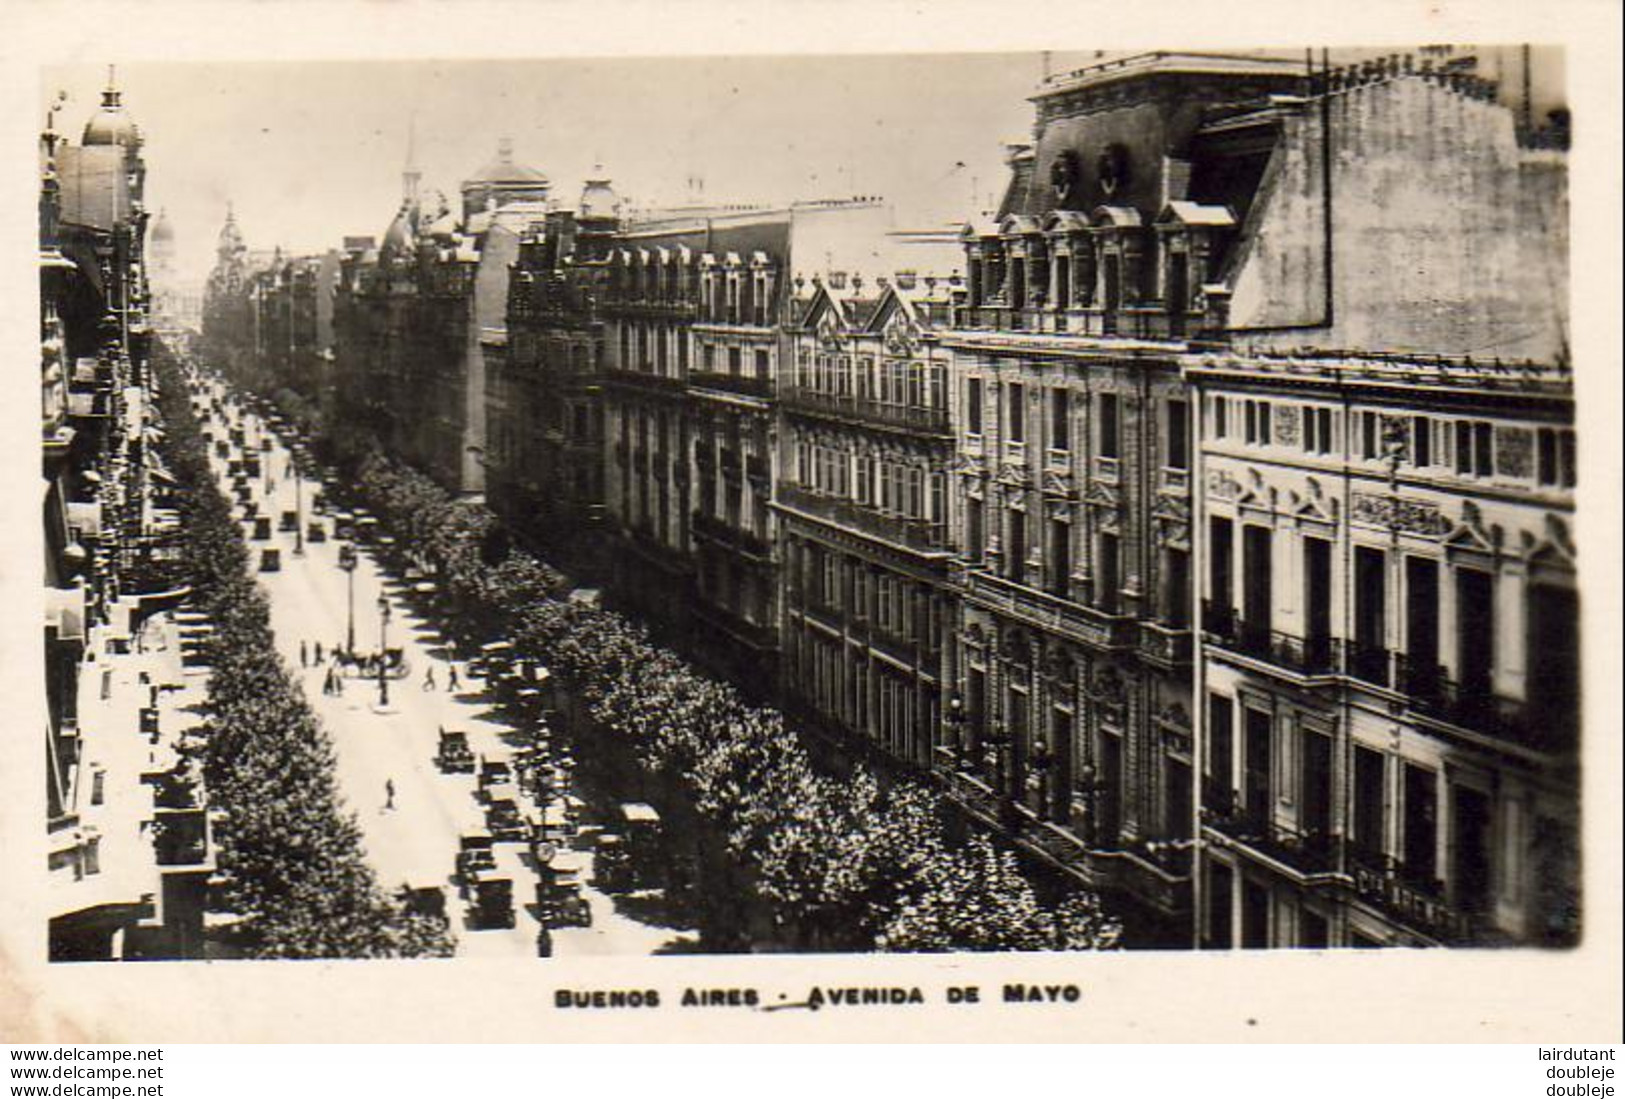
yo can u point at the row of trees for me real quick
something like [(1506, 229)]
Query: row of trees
[(841, 864), (290, 857)]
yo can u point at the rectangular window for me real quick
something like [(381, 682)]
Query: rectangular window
[(1060, 556), (1484, 458), (1176, 583), (1474, 455), (1370, 784), (1255, 915), (975, 529), (1016, 415), (973, 406), (1015, 563), (1421, 824), (1258, 796), (1315, 812), (1060, 419), (1370, 656), (1421, 441), (1178, 448), (1220, 573), (1221, 757), (1221, 900), (1109, 427), (1221, 417), (1370, 448), (1109, 573), (1475, 630), (1554, 458)]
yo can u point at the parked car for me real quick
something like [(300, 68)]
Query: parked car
[(454, 756)]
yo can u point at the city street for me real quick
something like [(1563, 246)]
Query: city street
[(391, 748)]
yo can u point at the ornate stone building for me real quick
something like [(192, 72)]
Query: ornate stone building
[(1389, 678), (692, 310), (127, 867), (545, 409), (1072, 480), (865, 442), (417, 320), (1156, 390)]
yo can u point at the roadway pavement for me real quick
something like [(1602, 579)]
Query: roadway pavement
[(416, 841)]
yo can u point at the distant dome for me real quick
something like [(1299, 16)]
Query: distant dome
[(599, 200), (112, 125), (503, 170)]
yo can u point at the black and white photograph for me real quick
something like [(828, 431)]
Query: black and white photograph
[(563, 510)]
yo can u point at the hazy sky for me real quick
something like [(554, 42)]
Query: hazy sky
[(310, 152)]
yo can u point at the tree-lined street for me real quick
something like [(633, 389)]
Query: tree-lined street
[(385, 753)]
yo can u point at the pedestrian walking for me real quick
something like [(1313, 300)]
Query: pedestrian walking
[(452, 683), (428, 678), (389, 795), (318, 653), (304, 655)]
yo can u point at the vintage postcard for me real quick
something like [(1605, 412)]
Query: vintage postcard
[(927, 539)]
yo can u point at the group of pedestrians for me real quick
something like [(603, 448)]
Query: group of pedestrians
[(452, 682)]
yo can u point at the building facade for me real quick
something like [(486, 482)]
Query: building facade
[(1073, 468), (693, 311), (865, 444), (545, 409), (417, 320), (127, 837), (1175, 213), (1389, 672)]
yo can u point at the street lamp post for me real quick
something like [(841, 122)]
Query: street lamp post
[(383, 648), (996, 740), (298, 512), (955, 719), (347, 563), (1042, 761)]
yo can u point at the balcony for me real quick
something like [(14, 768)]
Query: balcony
[(731, 537), (866, 410), (1382, 883), (1163, 644), (915, 534), (1304, 656), (1090, 626), (1476, 708), (762, 639), (644, 380), (743, 385), (1306, 854)]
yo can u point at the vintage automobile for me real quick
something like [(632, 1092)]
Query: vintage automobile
[(494, 773), (492, 904), (316, 531), (558, 891), (504, 822), (611, 863), (288, 523), (262, 528), (343, 524), (475, 857), (270, 560), (426, 900), (453, 755), (251, 464)]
